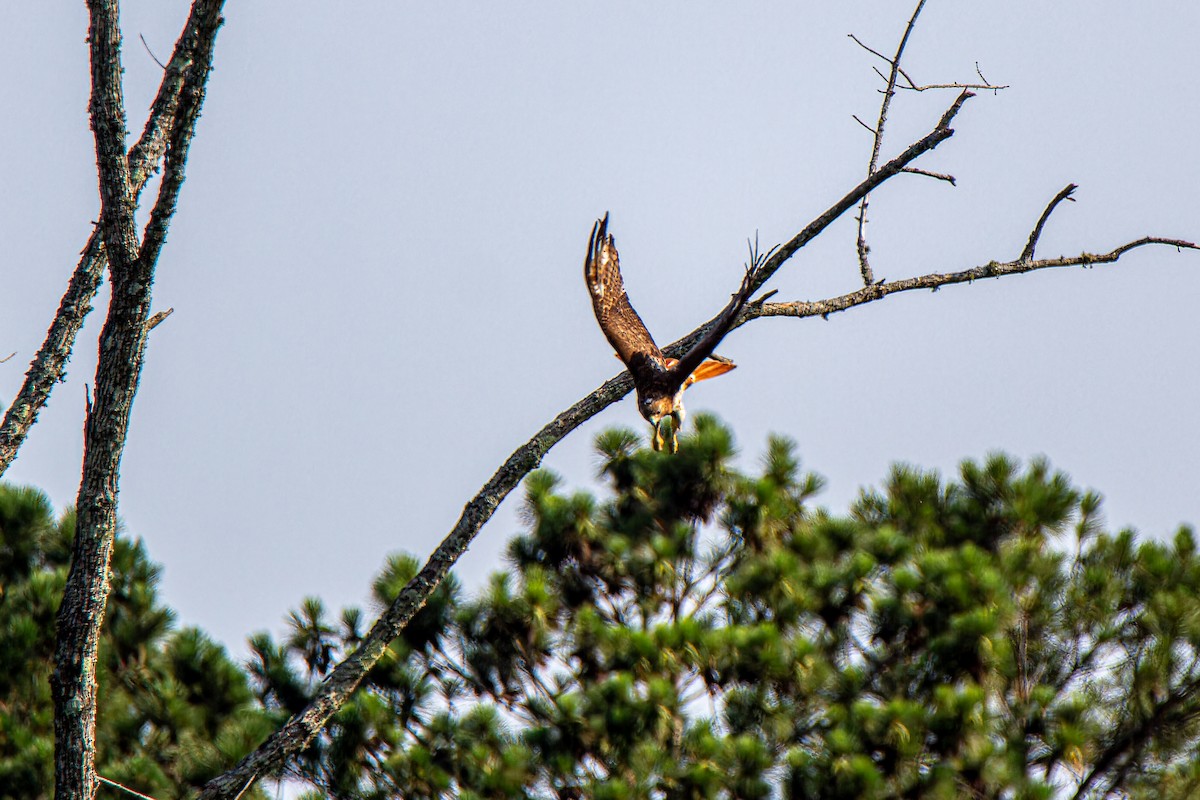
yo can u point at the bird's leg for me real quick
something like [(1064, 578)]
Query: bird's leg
[(663, 429)]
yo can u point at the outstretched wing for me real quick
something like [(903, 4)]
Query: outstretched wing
[(622, 326), (702, 349)]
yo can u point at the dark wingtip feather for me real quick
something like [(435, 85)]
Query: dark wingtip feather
[(603, 223), (589, 257), (595, 244)]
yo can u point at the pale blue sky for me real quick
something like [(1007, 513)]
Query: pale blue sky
[(376, 278)]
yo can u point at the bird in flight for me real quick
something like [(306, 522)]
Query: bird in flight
[(660, 381)]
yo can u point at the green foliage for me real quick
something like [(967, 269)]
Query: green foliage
[(173, 709), (697, 633), (702, 633)]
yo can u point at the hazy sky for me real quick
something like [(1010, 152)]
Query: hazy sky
[(376, 264)]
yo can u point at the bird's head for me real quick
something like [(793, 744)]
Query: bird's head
[(666, 415)]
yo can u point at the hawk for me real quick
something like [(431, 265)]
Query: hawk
[(660, 381)]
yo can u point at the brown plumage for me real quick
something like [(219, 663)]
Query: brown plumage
[(660, 381)]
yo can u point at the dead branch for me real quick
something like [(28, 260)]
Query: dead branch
[(941, 132), (941, 176), (118, 372), (49, 364), (913, 86), (158, 318), (935, 280), (8, 357), (860, 243), (73, 684), (889, 91), (1036, 233), (123, 788), (927, 86), (150, 52)]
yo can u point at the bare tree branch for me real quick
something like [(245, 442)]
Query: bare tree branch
[(935, 280), (344, 679), (889, 92), (179, 140), (158, 318), (1036, 233), (926, 87), (118, 373), (122, 787), (913, 86), (939, 134), (150, 52), (107, 109), (941, 176), (870, 130), (73, 682), (49, 365)]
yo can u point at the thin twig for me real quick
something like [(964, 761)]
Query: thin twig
[(941, 132), (151, 52), (986, 83), (158, 318), (927, 86), (941, 176), (116, 785), (870, 130), (872, 51), (249, 781), (764, 298), (8, 357), (1031, 245), (913, 86), (860, 242)]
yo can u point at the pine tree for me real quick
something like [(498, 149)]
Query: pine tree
[(701, 633), (174, 710)]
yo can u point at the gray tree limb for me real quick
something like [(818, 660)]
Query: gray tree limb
[(49, 365), (935, 280), (889, 92), (118, 373)]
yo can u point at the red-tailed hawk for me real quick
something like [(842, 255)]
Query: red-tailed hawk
[(660, 381)]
